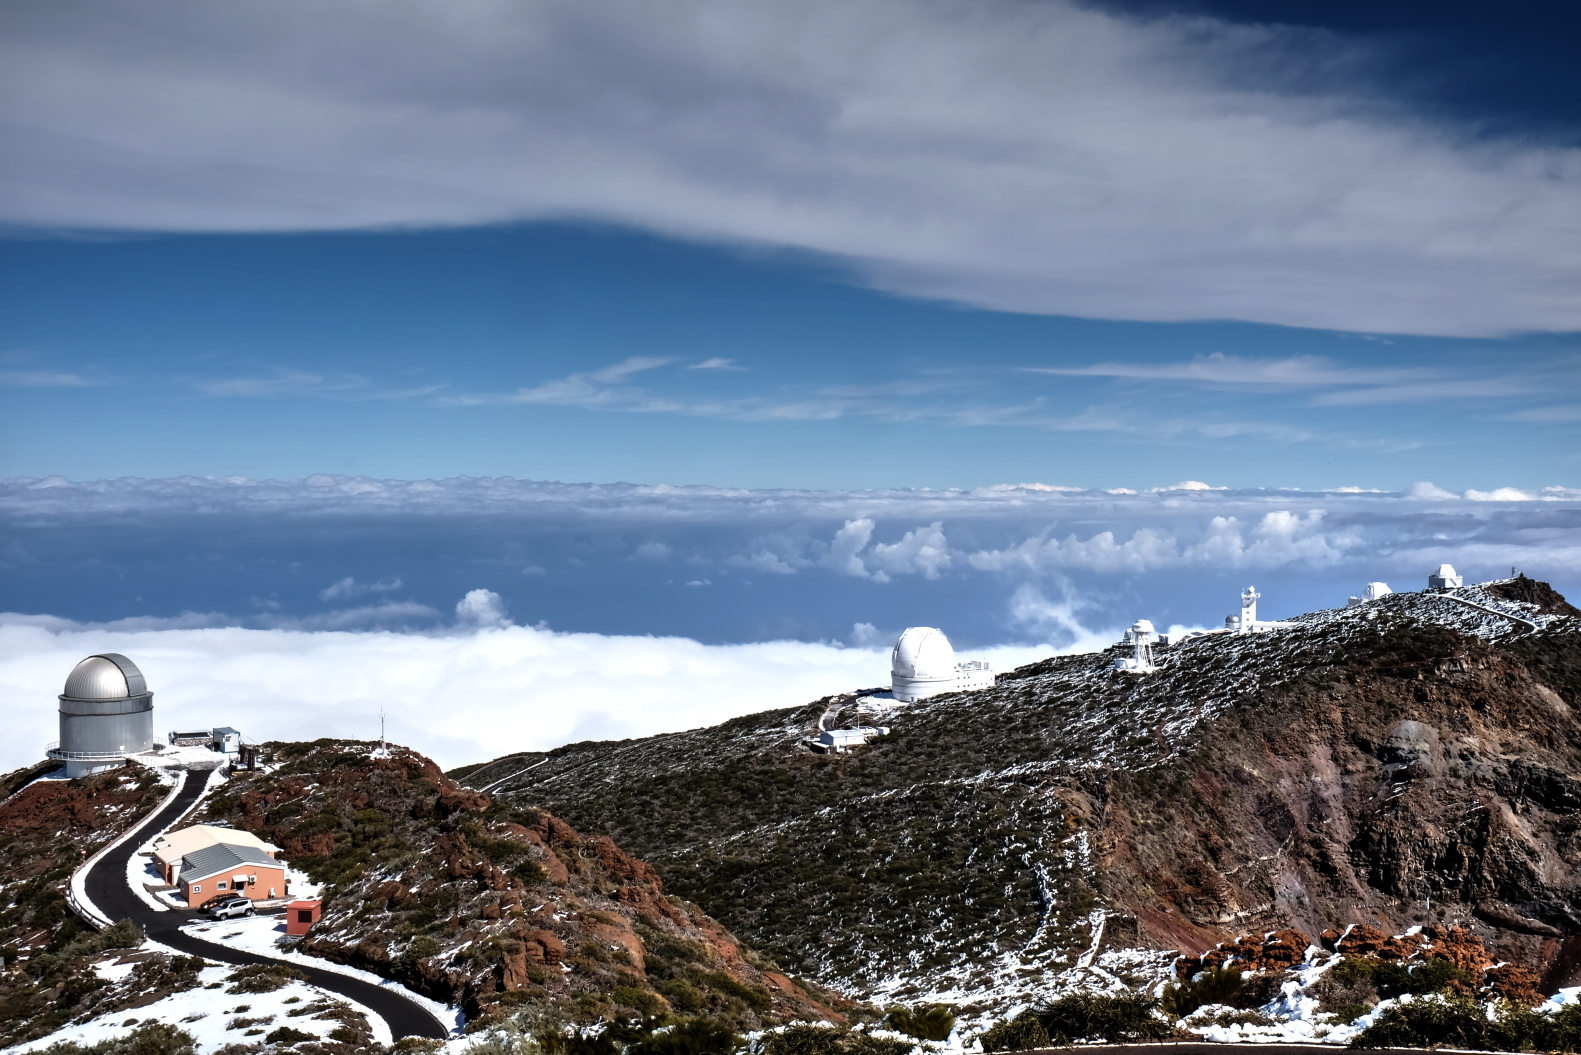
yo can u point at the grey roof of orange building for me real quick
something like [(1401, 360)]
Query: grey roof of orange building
[(212, 860)]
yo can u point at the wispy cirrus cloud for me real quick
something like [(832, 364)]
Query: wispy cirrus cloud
[(975, 398), (278, 383), (45, 379), (1344, 384)]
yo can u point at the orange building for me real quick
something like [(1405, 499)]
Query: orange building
[(301, 915), (223, 870), (170, 848)]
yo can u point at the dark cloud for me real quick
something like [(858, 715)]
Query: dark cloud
[(1044, 157)]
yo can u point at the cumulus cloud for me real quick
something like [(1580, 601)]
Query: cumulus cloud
[(1278, 539), (1021, 156), (845, 548), (481, 608), (1057, 620), (457, 697), (923, 551)]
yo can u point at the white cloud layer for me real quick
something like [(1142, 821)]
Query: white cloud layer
[(458, 697), (1044, 157)]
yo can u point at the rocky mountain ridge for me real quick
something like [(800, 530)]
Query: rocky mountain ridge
[(1414, 760)]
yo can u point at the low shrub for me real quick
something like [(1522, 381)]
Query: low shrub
[(1524, 1029), (287, 1035), (151, 1038), (262, 977), (928, 1022), (1022, 1033), (1427, 1022), (1455, 1021), (821, 1040), (691, 1036), (1434, 975), (1215, 985), (1095, 1016)]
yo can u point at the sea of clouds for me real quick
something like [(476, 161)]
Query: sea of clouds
[(490, 615), (478, 690)]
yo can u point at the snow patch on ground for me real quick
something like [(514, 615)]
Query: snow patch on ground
[(298, 885), (211, 1015), (258, 934)]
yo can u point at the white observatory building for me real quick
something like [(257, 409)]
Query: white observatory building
[(922, 664), (1247, 622), (106, 713), (1140, 637), (1371, 592)]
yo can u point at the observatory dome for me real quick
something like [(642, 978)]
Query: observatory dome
[(922, 665), (107, 677), (923, 653), (106, 713)]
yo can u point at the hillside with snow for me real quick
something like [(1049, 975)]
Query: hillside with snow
[(1409, 761)]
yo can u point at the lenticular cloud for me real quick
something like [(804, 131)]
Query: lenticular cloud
[(459, 697)]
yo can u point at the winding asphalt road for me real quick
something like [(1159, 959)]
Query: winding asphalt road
[(106, 887)]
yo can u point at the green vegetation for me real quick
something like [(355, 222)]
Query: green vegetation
[(1022, 1033), (1116, 1019), (823, 1040), (262, 977), (287, 1035), (1215, 985), (927, 1022), (1433, 975), (151, 1038)]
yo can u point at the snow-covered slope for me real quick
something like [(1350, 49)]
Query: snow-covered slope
[(1073, 817)]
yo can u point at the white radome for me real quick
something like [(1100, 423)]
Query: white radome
[(923, 653), (923, 664), (101, 678)]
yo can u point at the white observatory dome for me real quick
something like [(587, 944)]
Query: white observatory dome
[(923, 653), (922, 665), (107, 677)]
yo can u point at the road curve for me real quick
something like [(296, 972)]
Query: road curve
[(105, 886)]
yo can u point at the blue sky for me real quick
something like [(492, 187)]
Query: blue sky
[(303, 303), (575, 353)]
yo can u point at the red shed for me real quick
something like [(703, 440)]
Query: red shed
[(301, 915)]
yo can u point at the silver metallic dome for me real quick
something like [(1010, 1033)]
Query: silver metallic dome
[(110, 676)]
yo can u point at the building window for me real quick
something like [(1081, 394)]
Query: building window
[(220, 885)]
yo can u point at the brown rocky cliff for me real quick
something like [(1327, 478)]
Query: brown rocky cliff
[(1429, 777)]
